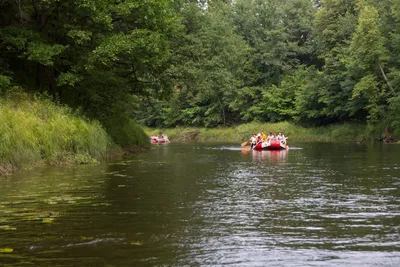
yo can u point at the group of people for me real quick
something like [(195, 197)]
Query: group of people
[(262, 137), (157, 137)]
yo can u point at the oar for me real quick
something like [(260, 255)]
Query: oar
[(246, 149), (243, 144)]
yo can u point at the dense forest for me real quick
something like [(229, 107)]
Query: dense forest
[(166, 63)]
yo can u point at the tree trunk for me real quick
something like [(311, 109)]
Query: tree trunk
[(386, 79), (387, 134)]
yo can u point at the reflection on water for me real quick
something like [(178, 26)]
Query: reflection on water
[(209, 204), (272, 156)]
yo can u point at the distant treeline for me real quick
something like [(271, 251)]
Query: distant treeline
[(167, 63)]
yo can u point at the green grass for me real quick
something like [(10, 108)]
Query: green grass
[(340, 132), (39, 131), (126, 133)]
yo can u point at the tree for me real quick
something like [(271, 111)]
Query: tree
[(279, 33), (206, 65), (368, 50), (99, 56)]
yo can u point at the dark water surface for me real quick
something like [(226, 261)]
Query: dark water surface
[(321, 204)]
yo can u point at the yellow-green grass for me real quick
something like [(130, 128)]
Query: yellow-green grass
[(40, 131), (338, 132)]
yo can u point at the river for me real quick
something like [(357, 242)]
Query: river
[(191, 204)]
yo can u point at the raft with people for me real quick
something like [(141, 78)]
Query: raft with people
[(155, 139), (263, 142), (271, 145)]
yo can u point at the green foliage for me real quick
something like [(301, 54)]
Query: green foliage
[(40, 131), (367, 44), (5, 82), (279, 35), (43, 53), (247, 103), (140, 46), (69, 79), (334, 24), (98, 56), (127, 133), (394, 115), (279, 103), (208, 63), (347, 132), (167, 63), (30, 45), (368, 90), (80, 36)]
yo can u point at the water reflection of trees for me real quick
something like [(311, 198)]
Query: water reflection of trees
[(271, 155)]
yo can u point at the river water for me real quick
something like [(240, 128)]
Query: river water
[(191, 204)]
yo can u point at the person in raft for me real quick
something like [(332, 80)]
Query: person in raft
[(264, 136), (253, 140), (259, 138), (270, 137), (165, 137), (281, 138)]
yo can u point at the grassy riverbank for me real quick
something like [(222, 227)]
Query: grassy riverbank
[(343, 132), (36, 131)]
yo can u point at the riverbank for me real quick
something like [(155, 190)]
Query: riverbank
[(35, 131), (343, 132)]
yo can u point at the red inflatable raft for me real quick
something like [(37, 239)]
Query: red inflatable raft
[(159, 140), (163, 140), (272, 145)]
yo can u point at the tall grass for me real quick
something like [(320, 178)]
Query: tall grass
[(126, 133), (38, 130), (340, 132)]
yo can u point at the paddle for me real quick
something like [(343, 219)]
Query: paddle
[(246, 149), (244, 143)]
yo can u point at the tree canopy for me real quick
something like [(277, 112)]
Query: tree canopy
[(205, 63)]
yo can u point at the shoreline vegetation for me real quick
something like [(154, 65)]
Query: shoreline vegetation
[(36, 131), (346, 132), (213, 64)]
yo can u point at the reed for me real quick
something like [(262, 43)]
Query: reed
[(37, 130)]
